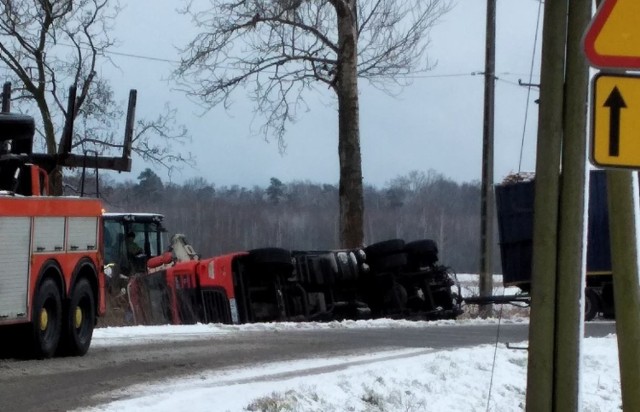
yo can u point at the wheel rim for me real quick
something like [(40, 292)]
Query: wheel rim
[(82, 319), (77, 317), (44, 319), (48, 319)]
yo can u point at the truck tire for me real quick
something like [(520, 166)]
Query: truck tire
[(607, 305), (421, 247), (79, 320), (348, 264), (395, 298), (387, 247), (46, 325), (422, 252), (388, 263), (591, 304), (271, 255)]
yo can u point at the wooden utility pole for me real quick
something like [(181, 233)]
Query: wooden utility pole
[(540, 372), (487, 203), (571, 277)]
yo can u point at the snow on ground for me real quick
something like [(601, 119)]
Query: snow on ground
[(396, 380), (408, 380)]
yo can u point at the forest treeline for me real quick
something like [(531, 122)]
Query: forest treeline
[(303, 215)]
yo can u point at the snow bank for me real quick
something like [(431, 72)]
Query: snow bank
[(404, 380)]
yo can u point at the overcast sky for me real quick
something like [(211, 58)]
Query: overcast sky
[(436, 123)]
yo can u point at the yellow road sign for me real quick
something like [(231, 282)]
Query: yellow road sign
[(615, 121), (613, 37)]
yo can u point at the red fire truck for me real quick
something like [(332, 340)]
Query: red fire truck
[(51, 287)]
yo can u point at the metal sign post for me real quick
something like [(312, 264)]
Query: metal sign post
[(615, 120), (613, 42)]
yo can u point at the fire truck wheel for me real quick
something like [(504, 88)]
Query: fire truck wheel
[(591, 305), (47, 320), (79, 321)]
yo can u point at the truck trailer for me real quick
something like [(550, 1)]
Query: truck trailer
[(515, 200)]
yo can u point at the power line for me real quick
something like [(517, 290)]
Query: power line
[(406, 76), (526, 112), (141, 57), (123, 54)]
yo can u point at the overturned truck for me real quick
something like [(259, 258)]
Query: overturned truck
[(387, 279)]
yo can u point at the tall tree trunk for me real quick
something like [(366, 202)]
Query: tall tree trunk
[(55, 182), (55, 176), (351, 192)]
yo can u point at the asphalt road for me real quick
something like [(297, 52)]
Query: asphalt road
[(62, 384)]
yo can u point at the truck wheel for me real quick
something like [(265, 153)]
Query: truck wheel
[(388, 263), (395, 298), (591, 304), (271, 255), (80, 318), (422, 247), (422, 253), (47, 320), (387, 247)]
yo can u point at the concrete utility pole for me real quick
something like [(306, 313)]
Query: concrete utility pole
[(487, 202), (540, 372), (571, 277)]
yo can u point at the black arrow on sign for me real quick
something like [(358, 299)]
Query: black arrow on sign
[(614, 102)]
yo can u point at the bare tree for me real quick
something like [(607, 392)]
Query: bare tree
[(281, 49), (49, 45)]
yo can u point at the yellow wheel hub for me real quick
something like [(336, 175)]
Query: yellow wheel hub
[(44, 319), (77, 317)]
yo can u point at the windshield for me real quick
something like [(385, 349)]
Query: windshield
[(113, 241), (149, 237)]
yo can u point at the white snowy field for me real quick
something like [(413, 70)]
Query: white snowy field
[(483, 378)]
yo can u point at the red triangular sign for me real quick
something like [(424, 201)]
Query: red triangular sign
[(613, 37)]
